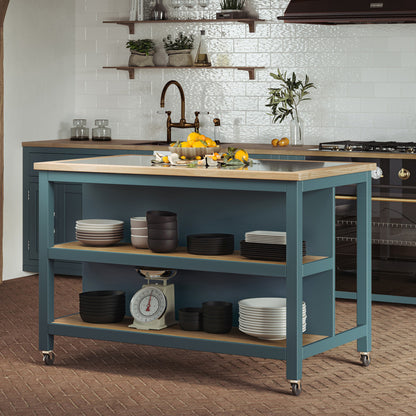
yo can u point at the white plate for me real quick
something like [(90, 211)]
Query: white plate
[(263, 304), (99, 229), (99, 222), (99, 234), (267, 331), (266, 321)]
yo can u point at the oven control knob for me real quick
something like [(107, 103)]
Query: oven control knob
[(377, 173), (403, 174)]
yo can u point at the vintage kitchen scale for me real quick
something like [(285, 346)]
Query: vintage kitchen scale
[(153, 306)]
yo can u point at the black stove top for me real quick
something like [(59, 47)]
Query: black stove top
[(369, 146)]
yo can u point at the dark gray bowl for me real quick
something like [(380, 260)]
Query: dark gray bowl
[(163, 226), (162, 234), (162, 246), (158, 217)]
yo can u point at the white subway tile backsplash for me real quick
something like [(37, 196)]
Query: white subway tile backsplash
[(365, 75)]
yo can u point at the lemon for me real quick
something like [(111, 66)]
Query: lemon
[(183, 157), (186, 144), (241, 155), (275, 142), (284, 141), (165, 159), (198, 144), (198, 157), (193, 136)]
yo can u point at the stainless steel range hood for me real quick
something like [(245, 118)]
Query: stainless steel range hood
[(350, 11)]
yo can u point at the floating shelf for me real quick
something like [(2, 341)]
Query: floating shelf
[(130, 69), (130, 23)]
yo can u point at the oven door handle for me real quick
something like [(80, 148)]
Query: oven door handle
[(376, 198)]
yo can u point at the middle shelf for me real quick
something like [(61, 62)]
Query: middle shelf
[(126, 254)]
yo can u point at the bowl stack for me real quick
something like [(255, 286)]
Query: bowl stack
[(99, 232), (217, 317), (190, 319), (162, 231), (210, 244), (102, 306), (138, 232), (265, 318)]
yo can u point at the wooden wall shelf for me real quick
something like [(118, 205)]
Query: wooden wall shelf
[(251, 22), (130, 69)]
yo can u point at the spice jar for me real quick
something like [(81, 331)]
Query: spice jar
[(101, 132), (79, 131)]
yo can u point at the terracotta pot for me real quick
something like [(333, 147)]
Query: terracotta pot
[(141, 59), (180, 57)]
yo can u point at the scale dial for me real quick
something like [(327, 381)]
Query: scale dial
[(148, 304)]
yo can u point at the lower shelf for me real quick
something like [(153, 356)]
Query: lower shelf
[(168, 336)]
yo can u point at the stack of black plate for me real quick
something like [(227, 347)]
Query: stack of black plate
[(217, 317), (261, 251), (210, 244), (190, 319), (102, 306)]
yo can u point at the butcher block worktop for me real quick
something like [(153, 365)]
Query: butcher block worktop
[(286, 170), (251, 148)]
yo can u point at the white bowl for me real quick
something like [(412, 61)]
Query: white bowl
[(139, 241), (138, 222), (139, 231)]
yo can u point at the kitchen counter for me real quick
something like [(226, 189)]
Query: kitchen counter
[(286, 170), (251, 148)]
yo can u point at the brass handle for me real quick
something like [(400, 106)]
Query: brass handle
[(376, 198), (403, 174)]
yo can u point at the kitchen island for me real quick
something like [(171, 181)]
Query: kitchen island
[(293, 196)]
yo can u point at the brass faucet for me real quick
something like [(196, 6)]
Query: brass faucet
[(182, 124)]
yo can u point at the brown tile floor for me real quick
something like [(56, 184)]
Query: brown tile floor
[(106, 378)]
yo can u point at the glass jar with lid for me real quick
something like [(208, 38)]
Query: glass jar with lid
[(101, 131), (80, 131)]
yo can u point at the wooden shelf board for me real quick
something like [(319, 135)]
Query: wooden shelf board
[(130, 69), (234, 336), (179, 252), (130, 23)]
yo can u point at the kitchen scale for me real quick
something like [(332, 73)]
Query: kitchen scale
[(153, 306)]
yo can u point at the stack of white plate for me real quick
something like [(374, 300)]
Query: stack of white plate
[(266, 237), (99, 232), (265, 318)]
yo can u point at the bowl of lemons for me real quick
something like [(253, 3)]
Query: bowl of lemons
[(196, 146)]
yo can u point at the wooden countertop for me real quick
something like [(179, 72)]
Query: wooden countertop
[(281, 170), (251, 148)]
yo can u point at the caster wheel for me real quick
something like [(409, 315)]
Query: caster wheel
[(296, 388), (48, 358), (365, 360)]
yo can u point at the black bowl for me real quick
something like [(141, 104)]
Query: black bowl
[(162, 234), (162, 246), (190, 319), (217, 329), (157, 217), (216, 306), (163, 226)]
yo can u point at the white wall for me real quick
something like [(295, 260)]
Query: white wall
[(365, 76), (39, 98)]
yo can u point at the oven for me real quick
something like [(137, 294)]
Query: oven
[(393, 229)]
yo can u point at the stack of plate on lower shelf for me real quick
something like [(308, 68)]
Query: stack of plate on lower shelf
[(99, 232), (265, 245), (265, 318)]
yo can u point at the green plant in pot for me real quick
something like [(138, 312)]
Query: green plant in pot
[(232, 9), (285, 99), (141, 52), (179, 49)]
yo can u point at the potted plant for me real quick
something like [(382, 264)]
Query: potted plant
[(232, 9), (179, 49), (285, 99), (141, 52)]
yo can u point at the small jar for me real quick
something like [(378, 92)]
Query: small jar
[(80, 131), (102, 132)]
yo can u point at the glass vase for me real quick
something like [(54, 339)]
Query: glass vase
[(158, 11), (296, 130)]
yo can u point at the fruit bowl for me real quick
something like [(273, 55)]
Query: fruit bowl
[(193, 152)]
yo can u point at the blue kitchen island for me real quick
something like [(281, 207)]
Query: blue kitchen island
[(293, 196)]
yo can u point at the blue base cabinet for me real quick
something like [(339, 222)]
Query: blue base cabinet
[(304, 209), (68, 203)]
